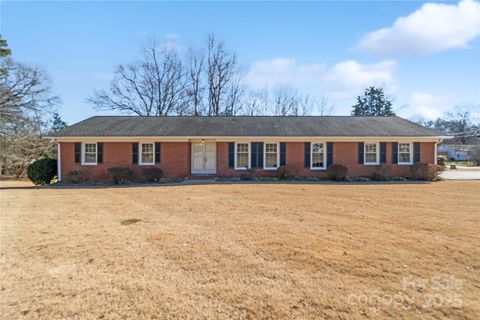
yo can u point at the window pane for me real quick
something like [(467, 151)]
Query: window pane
[(271, 147), (242, 147), (90, 147), (370, 157), (404, 147), (242, 155), (317, 147), (317, 155), (271, 155), (147, 152), (370, 147), (403, 157), (271, 160), (90, 157), (317, 160), (147, 147), (147, 157), (242, 160), (90, 153)]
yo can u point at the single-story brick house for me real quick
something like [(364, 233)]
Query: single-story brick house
[(235, 146)]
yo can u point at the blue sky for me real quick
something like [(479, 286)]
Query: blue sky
[(425, 54)]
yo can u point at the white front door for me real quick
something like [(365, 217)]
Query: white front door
[(204, 158)]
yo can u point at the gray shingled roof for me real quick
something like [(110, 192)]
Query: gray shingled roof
[(329, 126)]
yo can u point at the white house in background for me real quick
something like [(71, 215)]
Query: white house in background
[(458, 152)]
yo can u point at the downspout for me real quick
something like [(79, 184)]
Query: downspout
[(59, 162)]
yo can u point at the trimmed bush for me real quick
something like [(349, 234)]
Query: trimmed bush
[(75, 176), (152, 174), (425, 171), (120, 175), (282, 172), (337, 172), (42, 171), (381, 173)]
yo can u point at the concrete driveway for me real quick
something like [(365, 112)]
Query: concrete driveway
[(462, 173)]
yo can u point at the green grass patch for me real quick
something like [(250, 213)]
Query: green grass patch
[(462, 163), (130, 221)]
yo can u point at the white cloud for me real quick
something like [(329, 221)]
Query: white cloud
[(342, 80), (350, 77), (432, 28), (427, 106)]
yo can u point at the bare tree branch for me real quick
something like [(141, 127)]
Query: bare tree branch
[(154, 86)]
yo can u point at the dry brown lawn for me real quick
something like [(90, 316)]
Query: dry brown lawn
[(247, 251)]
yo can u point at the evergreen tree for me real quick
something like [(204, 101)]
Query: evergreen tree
[(4, 52), (57, 123), (373, 103)]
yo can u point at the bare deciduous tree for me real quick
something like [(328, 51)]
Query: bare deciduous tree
[(459, 122), (195, 81), (25, 92), (303, 105), (256, 103), (288, 101), (209, 82), (234, 98), (283, 100), (154, 86), (222, 68), (25, 102), (324, 107)]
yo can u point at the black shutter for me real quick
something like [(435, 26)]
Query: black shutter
[(99, 152), (283, 158), (260, 155), (307, 155), (256, 160), (383, 152), (135, 152), (78, 152), (253, 155), (231, 155), (329, 154), (394, 152), (360, 152), (416, 152), (157, 152)]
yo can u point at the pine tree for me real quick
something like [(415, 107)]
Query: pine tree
[(57, 123), (373, 103)]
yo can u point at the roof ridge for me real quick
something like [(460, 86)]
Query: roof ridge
[(243, 116)]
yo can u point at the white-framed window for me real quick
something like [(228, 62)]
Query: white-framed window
[(271, 155), (147, 154), (405, 154), (318, 156), (89, 153), (371, 153), (242, 155)]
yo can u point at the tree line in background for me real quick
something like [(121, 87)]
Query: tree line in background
[(206, 81), (459, 122), (26, 114)]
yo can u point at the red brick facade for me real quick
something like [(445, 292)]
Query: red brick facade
[(176, 157), (175, 160)]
